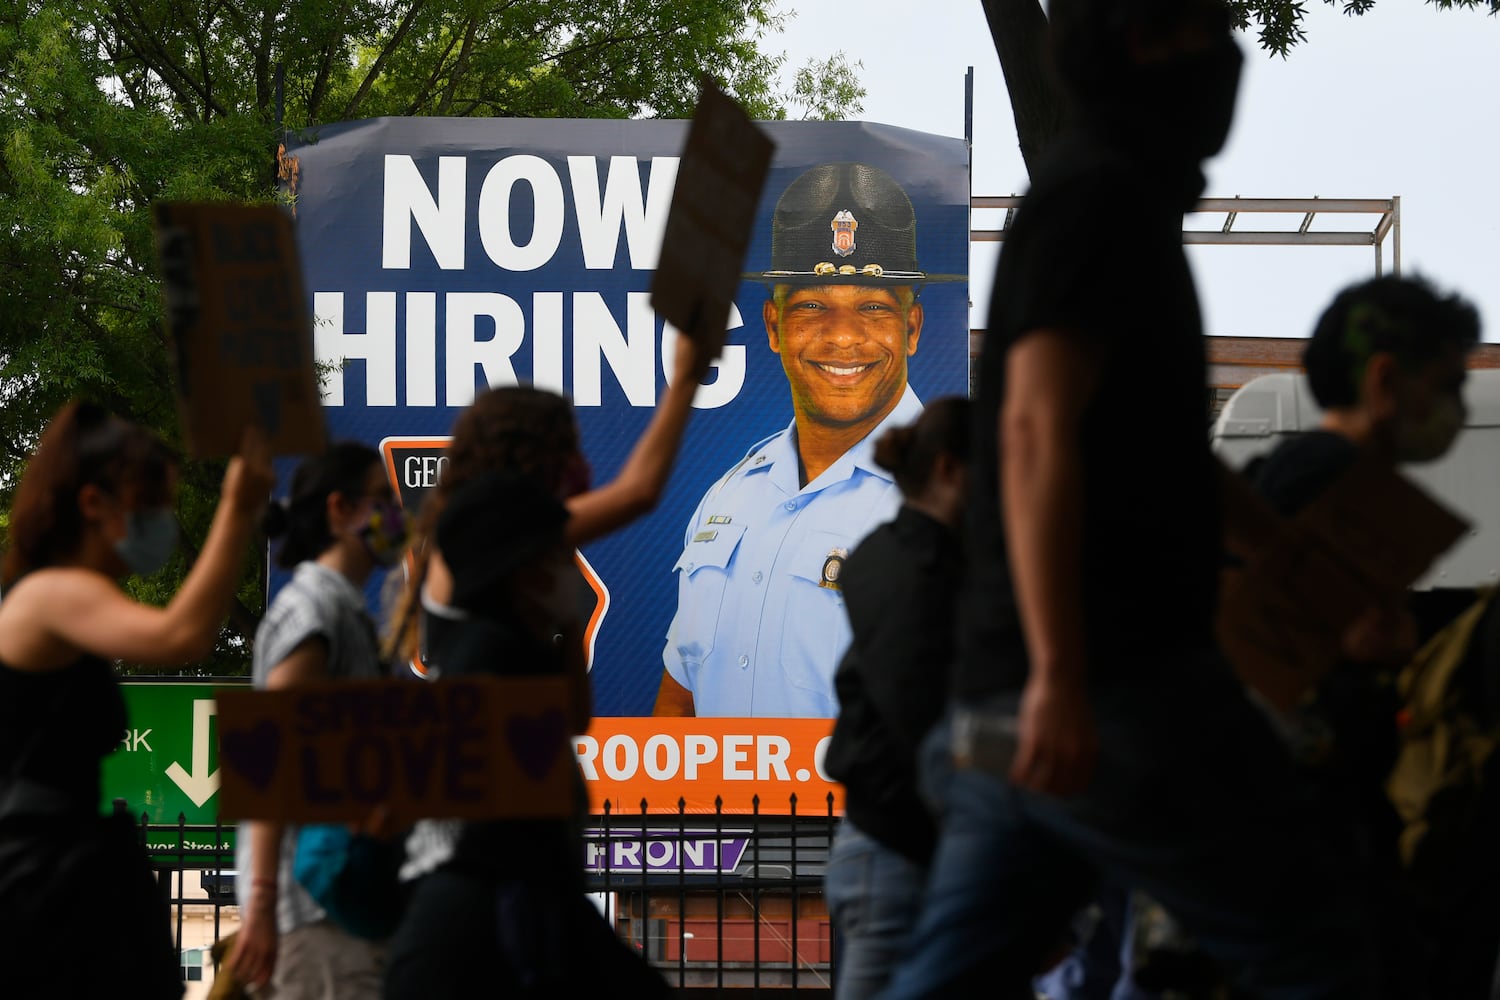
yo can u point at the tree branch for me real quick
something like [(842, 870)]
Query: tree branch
[(1019, 31), (208, 87), (391, 45), (422, 95), (460, 66), (264, 91), (174, 76), (169, 79), (611, 39), (325, 69)]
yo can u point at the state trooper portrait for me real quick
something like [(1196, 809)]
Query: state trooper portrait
[(760, 622)]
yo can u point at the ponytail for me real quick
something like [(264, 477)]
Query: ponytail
[(301, 519)]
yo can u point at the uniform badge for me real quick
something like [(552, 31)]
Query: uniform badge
[(843, 226), (833, 568), (719, 519), (705, 536)]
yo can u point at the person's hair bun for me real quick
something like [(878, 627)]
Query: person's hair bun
[(893, 449), (909, 453)]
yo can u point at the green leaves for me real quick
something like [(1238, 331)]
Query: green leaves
[(829, 90), (1278, 23)]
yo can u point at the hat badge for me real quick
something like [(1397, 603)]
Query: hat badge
[(843, 225)]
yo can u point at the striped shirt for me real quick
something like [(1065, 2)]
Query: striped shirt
[(317, 603)]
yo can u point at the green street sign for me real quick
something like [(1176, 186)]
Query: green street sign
[(167, 760)]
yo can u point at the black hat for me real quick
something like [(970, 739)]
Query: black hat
[(845, 223), (493, 525)]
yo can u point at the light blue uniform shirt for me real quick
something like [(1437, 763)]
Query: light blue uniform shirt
[(760, 622)]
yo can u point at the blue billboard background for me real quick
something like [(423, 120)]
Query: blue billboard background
[(349, 233)]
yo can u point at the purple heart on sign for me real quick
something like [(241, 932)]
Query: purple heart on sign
[(537, 740), (253, 752)]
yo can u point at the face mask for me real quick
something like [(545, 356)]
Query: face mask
[(385, 533), (1430, 438), (150, 539)]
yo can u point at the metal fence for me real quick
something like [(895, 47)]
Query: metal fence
[(718, 901)]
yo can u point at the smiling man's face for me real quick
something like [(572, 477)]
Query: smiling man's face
[(844, 349)]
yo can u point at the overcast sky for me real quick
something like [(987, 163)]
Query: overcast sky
[(1399, 102)]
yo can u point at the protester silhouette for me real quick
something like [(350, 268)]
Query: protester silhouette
[(1095, 539), (340, 523), (900, 586), (496, 592), (94, 506)]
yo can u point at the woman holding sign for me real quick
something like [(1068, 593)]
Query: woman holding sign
[(340, 523), (508, 889), (498, 593), (94, 506)]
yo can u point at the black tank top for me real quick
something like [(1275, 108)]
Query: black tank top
[(57, 725)]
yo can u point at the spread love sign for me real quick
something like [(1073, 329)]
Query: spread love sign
[(477, 748)]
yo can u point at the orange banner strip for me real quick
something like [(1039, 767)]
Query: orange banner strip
[(674, 763)]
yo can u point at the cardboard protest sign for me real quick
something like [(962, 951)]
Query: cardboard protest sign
[(242, 339), (1357, 547), (477, 748), (1281, 627), (1382, 524), (719, 180)]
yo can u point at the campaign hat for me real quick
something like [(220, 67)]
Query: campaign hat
[(845, 223)]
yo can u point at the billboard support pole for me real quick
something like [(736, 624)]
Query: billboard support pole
[(969, 106)]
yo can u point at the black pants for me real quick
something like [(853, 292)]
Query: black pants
[(466, 935), (48, 871)]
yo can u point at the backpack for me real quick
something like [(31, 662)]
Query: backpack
[(353, 877), (1436, 783)]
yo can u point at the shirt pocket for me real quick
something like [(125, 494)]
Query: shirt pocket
[(815, 630), (704, 573)]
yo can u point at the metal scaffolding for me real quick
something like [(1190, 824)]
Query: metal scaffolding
[(1385, 211)]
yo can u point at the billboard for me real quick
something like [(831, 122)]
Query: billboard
[(446, 255)]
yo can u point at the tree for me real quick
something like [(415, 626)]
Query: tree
[(828, 90), (1019, 29), (106, 107)]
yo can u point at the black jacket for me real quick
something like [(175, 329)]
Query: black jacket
[(899, 588)]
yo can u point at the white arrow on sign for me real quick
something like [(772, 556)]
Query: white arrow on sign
[(200, 784)]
